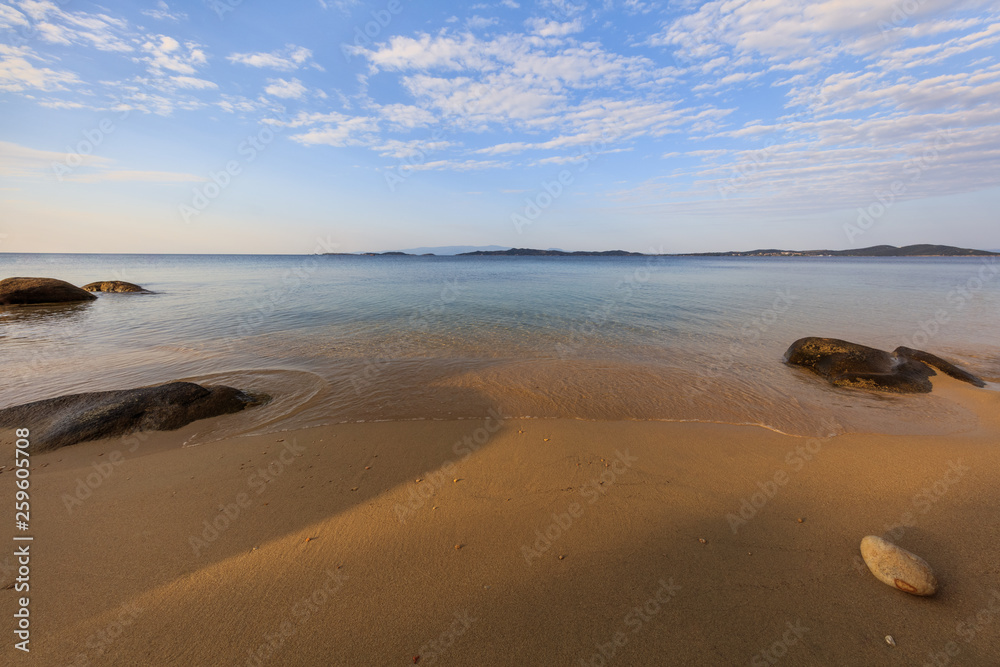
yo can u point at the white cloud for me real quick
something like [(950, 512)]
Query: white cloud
[(511, 78), (193, 83), (822, 165), (18, 74), (289, 90), (458, 165), (288, 59), (98, 30), (21, 162), (480, 22), (404, 149), (548, 28), (122, 176), (407, 116), (342, 5), (340, 131), (166, 53), (11, 18), (583, 97), (796, 29), (163, 13)]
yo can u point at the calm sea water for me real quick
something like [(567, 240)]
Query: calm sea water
[(337, 339)]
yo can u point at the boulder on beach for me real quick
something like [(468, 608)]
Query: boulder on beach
[(31, 291), (897, 567), (114, 286), (846, 364), (67, 420)]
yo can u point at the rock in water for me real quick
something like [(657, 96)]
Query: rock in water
[(67, 420), (31, 291), (937, 362), (847, 364), (114, 286), (898, 567)]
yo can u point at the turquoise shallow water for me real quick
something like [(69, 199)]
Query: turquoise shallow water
[(337, 338)]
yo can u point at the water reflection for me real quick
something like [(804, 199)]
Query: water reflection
[(55, 313)]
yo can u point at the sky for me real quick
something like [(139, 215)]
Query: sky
[(241, 126)]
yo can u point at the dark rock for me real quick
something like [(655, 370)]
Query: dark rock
[(29, 291), (67, 420), (846, 364), (937, 362), (114, 286)]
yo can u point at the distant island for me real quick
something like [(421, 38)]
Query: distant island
[(521, 252), (919, 250)]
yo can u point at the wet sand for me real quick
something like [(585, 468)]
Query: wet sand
[(525, 542)]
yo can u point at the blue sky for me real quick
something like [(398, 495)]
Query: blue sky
[(229, 126)]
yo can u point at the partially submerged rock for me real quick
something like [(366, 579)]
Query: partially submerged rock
[(898, 567), (847, 364), (114, 286), (937, 362), (67, 420), (30, 291)]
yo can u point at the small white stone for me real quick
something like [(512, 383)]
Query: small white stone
[(898, 567)]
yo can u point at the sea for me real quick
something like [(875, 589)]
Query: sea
[(341, 338)]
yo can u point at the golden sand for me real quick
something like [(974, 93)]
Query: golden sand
[(531, 542)]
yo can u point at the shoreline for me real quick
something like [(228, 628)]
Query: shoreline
[(328, 551)]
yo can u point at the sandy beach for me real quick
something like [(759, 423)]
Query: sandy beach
[(514, 542), (558, 333)]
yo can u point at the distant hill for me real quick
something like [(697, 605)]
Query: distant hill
[(919, 250), (518, 252), (452, 249)]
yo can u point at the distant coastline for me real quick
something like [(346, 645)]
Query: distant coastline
[(918, 250)]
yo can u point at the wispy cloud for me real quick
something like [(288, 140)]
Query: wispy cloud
[(288, 59), (289, 90)]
